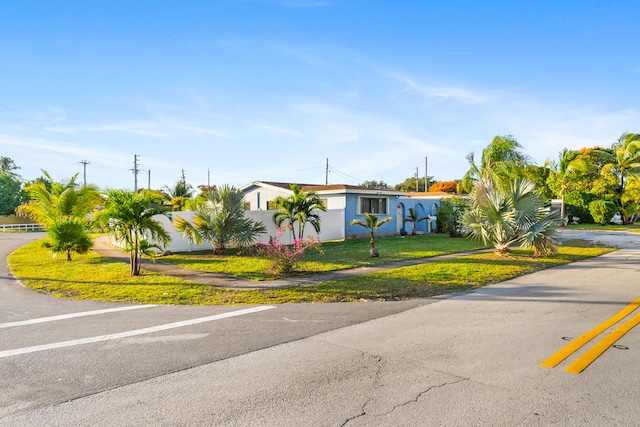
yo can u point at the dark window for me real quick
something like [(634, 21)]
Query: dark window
[(373, 205)]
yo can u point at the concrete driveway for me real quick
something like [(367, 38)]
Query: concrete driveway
[(467, 360)]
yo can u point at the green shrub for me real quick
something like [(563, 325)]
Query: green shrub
[(602, 211), (449, 216)]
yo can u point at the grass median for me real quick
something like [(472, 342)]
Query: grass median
[(94, 277)]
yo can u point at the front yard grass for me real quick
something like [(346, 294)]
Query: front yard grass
[(94, 277), (334, 256)]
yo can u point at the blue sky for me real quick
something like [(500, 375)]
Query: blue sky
[(271, 89)]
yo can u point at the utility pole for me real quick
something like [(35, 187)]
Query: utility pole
[(426, 175), (326, 174), (135, 173), (208, 179), (149, 180), (84, 163), (417, 181)]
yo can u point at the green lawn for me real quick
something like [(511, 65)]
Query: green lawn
[(93, 277), (635, 228), (334, 256)]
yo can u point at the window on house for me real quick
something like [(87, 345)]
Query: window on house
[(373, 205), (325, 203), (247, 206), (270, 205)]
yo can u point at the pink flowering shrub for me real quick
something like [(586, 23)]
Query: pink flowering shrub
[(285, 258)]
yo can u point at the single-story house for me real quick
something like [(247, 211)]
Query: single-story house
[(345, 203)]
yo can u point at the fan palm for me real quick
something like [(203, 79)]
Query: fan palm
[(502, 217), (221, 220)]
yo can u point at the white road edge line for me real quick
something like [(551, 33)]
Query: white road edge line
[(72, 315), (135, 332)]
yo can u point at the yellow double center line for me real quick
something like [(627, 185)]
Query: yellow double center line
[(601, 346)]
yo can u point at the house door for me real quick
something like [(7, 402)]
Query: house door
[(400, 218)]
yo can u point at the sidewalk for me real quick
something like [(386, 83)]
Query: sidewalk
[(102, 247)]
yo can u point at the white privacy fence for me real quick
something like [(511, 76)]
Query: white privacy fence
[(331, 228)]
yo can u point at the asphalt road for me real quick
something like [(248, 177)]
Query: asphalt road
[(471, 359)]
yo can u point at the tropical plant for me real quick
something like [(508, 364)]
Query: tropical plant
[(221, 221), (449, 216), (11, 194), (623, 160), (414, 219), (564, 174), (285, 258), (371, 223), (129, 217), (64, 209), (602, 211), (301, 207), (502, 161), (59, 200), (413, 183), (375, 185), (515, 214), (444, 186), (8, 166), (68, 236), (180, 193)]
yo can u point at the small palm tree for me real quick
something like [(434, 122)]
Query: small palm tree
[(129, 217), (68, 236), (371, 223), (221, 220), (414, 219), (301, 207), (502, 217), (63, 208)]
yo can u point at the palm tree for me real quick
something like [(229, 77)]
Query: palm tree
[(414, 219), (180, 193), (59, 200), (564, 172), (371, 223), (8, 166), (68, 236), (502, 217), (221, 220), (624, 161), (300, 207), (63, 209), (502, 160), (129, 217)]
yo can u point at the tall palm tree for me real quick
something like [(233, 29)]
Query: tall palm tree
[(130, 218), (301, 207), (221, 220), (502, 217), (564, 173), (371, 223), (502, 161), (8, 166), (624, 161)]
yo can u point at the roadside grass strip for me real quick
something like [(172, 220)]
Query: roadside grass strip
[(601, 346)]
